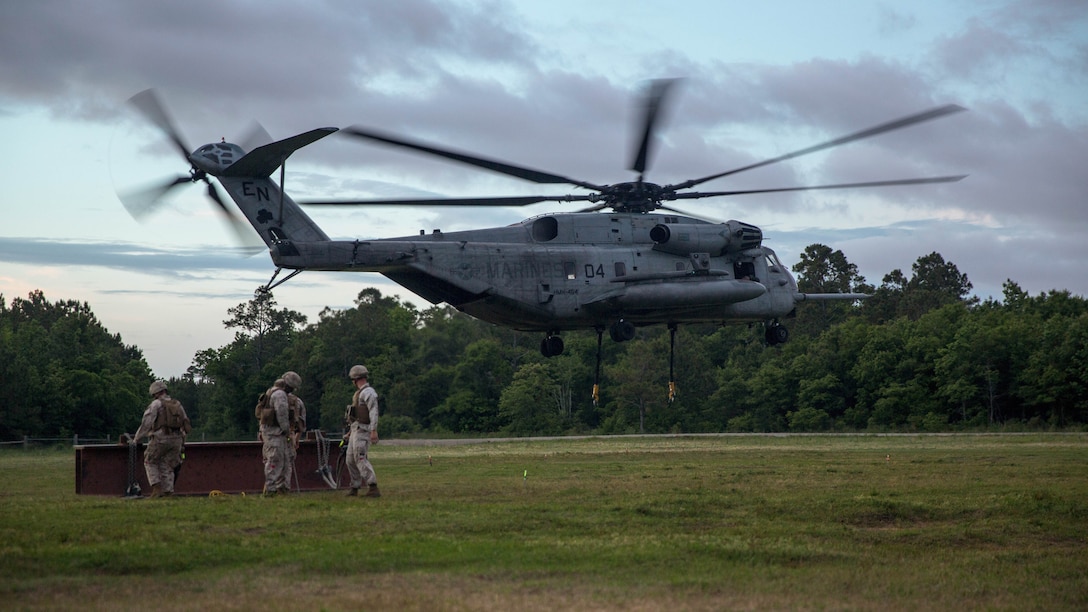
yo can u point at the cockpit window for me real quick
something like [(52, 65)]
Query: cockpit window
[(773, 265)]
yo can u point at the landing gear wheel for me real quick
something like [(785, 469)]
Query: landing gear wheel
[(551, 346), (777, 334), (622, 331)]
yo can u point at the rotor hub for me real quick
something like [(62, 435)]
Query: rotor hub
[(634, 196)]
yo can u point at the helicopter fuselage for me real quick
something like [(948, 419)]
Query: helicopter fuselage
[(573, 271)]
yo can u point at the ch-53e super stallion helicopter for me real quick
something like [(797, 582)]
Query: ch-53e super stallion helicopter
[(643, 263)]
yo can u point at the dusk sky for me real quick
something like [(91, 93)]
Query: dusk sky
[(548, 85)]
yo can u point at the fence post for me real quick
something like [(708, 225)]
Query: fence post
[(26, 442), (75, 440)]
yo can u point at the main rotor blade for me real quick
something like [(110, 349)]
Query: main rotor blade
[(687, 214), (141, 202), (692, 195), (148, 103), (488, 201), (652, 104), (594, 208), (528, 174), (909, 120)]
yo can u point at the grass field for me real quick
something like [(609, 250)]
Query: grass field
[(691, 523)]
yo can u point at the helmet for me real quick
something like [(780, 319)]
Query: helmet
[(293, 380), (156, 387), (358, 371)]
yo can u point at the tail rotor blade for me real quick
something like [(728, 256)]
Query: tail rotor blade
[(148, 103), (142, 202), (243, 232), (255, 136)]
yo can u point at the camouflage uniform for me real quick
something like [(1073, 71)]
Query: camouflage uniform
[(298, 430), (163, 452), (274, 450), (364, 402)]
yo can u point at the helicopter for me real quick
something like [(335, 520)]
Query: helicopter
[(639, 263)]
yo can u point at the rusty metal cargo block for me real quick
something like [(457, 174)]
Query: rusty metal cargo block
[(229, 467)]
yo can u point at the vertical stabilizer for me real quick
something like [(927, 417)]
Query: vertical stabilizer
[(271, 212), (275, 216)]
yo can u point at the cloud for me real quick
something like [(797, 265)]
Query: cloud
[(87, 57), (1037, 261), (490, 78), (129, 257)]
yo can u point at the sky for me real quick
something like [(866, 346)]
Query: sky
[(548, 85)]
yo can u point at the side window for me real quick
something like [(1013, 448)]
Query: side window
[(621, 269), (568, 270)]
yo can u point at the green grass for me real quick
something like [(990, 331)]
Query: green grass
[(734, 522)]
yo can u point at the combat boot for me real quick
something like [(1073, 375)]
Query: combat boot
[(353, 492), (372, 491), (156, 490)]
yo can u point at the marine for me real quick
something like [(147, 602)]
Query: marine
[(273, 410), (362, 418), (166, 425)]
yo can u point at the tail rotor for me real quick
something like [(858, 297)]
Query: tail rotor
[(142, 202)]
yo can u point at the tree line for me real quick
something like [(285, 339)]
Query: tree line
[(62, 373), (919, 355)]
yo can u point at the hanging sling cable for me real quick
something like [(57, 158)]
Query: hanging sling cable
[(323, 445), (132, 489)]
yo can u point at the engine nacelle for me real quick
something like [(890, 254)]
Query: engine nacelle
[(716, 239)]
